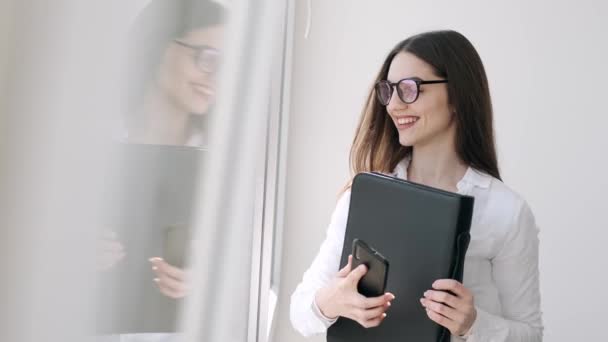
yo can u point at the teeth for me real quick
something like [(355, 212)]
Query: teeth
[(204, 90), (404, 121)]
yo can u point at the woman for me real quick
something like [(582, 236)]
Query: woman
[(428, 119), (173, 61)]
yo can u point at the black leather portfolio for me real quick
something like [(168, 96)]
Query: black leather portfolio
[(153, 192), (423, 232)]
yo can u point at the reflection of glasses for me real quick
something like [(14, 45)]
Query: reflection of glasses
[(408, 89), (206, 58)]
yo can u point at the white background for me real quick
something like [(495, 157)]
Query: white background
[(546, 64)]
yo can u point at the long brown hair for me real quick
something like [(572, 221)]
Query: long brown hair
[(376, 144)]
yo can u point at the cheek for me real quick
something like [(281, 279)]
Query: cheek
[(176, 69), (168, 79), (436, 115), (175, 81), (440, 120), (176, 78)]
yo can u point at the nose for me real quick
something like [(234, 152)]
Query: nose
[(395, 102)]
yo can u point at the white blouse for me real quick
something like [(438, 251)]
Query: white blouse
[(501, 264)]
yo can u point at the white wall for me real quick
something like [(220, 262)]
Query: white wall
[(6, 26), (546, 65)]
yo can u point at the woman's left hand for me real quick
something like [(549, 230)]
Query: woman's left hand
[(173, 282), (455, 311)]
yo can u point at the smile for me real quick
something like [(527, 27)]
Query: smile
[(406, 122), (203, 90)]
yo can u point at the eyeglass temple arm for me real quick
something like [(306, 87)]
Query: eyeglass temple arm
[(431, 82)]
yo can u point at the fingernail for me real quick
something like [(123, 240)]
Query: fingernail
[(154, 268), (156, 280), (422, 301), (388, 303), (384, 315), (426, 293), (392, 296)]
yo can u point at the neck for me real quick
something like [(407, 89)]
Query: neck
[(160, 121), (437, 164)]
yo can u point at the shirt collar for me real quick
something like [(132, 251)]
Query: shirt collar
[(471, 178)]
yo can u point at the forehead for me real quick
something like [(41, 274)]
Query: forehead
[(210, 36), (406, 65)]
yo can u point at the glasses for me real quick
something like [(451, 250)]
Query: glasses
[(408, 89), (206, 58)]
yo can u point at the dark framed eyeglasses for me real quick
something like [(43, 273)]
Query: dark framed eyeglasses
[(206, 58), (408, 89)]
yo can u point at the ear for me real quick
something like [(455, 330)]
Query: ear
[(453, 112), (452, 109)]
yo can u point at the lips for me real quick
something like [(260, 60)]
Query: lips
[(404, 122), (203, 90)]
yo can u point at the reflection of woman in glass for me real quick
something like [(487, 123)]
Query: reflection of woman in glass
[(173, 61), (429, 120)]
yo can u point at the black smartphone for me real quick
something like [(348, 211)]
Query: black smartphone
[(373, 283)]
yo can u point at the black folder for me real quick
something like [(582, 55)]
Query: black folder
[(424, 233), (154, 191)]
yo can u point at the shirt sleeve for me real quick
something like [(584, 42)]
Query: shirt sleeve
[(515, 272), (305, 316)]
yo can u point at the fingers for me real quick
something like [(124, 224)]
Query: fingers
[(170, 291), (443, 297), (160, 266), (441, 320), (369, 320), (452, 285), (106, 261), (109, 252), (450, 305), (373, 316), (355, 275), (346, 269), (373, 313), (373, 322), (110, 246), (171, 281), (443, 310), (372, 302)]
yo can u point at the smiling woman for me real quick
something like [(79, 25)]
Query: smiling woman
[(172, 65), (461, 105), (437, 131), (173, 60)]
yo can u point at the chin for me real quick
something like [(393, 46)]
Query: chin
[(406, 142), (199, 108), (198, 113)]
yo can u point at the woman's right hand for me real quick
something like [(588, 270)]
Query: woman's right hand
[(341, 298), (109, 251)]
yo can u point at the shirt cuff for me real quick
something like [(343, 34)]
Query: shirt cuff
[(473, 327), (326, 320), (484, 325)]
